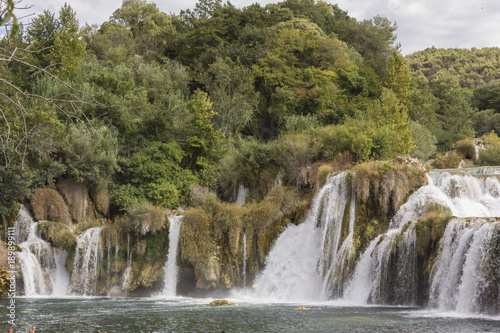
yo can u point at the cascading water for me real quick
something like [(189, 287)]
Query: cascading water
[(466, 274), (384, 275), (245, 259), (128, 269), (170, 280), (43, 267), (88, 254), (305, 272), (242, 195)]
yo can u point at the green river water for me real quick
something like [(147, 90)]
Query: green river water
[(130, 315)]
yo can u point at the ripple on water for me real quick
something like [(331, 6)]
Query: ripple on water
[(195, 315)]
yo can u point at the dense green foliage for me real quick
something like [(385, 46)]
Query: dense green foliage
[(150, 105)]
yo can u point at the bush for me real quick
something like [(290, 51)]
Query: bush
[(142, 218), (154, 174), (449, 161), (465, 147), (90, 153), (425, 142), (490, 156), (322, 174), (58, 235), (48, 204), (295, 153)]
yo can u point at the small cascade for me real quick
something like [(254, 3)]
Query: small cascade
[(242, 195), (108, 264), (278, 181), (333, 282), (245, 259), (117, 248), (386, 272), (128, 269), (60, 278), (43, 267), (170, 280), (300, 265), (465, 277), (88, 254)]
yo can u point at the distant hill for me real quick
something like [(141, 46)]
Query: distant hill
[(470, 68)]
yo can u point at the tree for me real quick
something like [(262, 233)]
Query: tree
[(151, 29), (153, 173), (201, 136), (391, 113), (230, 87), (29, 121), (59, 44)]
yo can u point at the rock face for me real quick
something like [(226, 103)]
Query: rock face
[(221, 302), (77, 196)]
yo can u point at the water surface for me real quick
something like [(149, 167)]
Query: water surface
[(195, 315)]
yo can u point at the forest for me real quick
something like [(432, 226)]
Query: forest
[(152, 111)]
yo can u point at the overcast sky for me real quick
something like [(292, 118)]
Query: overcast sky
[(421, 23)]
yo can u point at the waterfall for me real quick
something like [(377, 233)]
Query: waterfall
[(128, 270), (170, 280), (108, 263), (242, 195), (465, 277), (300, 264), (43, 267), (117, 248), (85, 271), (245, 259), (386, 272)]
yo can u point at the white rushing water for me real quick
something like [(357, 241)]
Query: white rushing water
[(462, 277), (43, 267), (308, 261), (245, 259), (241, 196), (170, 279), (88, 254), (128, 269), (300, 264), (462, 193)]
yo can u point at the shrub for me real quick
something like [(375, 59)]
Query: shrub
[(425, 142), (490, 138), (90, 153), (465, 147), (490, 156), (142, 218), (295, 153), (449, 161), (48, 204), (58, 235), (322, 174), (154, 174)]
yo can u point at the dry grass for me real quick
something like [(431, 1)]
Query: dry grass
[(48, 204)]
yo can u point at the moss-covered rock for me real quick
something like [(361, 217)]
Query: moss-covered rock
[(58, 235), (221, 302)]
